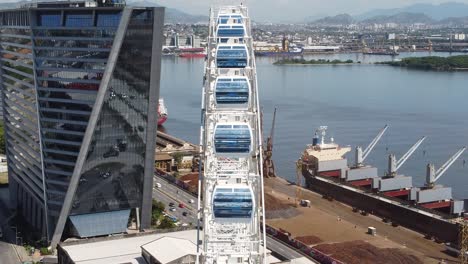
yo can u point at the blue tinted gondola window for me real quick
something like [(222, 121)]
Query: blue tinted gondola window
[(232, 91), (224, 19), (232, 203), (231, 57), (232, 139), (231, 31)]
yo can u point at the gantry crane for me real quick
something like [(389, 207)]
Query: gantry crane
[(394, 165), (432, 175), (362, 155), (268, 165)]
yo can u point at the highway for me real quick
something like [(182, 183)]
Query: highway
[(168, 193), (172, 193), (281, 249)]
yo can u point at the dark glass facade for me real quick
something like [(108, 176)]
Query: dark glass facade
[(117, 149), (65, 100)]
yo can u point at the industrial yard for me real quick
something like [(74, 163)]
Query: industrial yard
[(329, 222)]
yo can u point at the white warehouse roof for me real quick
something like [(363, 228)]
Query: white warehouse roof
[(167, 249)]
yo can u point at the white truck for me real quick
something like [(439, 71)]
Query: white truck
[(305, 203)]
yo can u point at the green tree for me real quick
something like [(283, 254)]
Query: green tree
[(166, 223), (156, 212), (178, 158), (2, 139)]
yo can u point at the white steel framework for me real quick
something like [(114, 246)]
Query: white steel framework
[(231, 197)]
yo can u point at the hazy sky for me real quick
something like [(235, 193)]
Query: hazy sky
[(266, 10), (291, 10)]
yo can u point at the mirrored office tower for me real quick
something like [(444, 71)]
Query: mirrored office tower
[(80, 84)]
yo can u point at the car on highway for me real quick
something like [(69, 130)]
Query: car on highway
[(181, 205), (172, 209), (191, 201), (185, 213), (158, 185), (171, 204)]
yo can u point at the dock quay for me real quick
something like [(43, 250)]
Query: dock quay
[(335, 223), (168, 147), (169, 143)]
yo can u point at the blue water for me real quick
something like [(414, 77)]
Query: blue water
[(354, 101)]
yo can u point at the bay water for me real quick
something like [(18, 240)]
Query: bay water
[(354, 101)]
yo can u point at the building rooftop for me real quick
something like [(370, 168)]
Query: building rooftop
[(73, 3), (121, 250), (163, 246), (167, 249)]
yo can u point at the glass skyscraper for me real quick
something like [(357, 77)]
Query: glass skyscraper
[(80, 86)]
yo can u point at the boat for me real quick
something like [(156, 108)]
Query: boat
[(162, 112), (191, 50), (429, 210), (381, 52), (291, 52), (192, 55), (287, 49)]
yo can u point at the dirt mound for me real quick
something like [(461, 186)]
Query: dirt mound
[(309, 240), (275, 208), (273, 204), (360, 252), (189, 177)]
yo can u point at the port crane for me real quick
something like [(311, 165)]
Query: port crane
[(394, 165), (268, 165), (362, 155), (432, 175)]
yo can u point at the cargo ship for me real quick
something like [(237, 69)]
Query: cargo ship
[(162, 112), (430, 209), (192, 55), (381, 52), (290, 52), (287, 49), (192, 52)]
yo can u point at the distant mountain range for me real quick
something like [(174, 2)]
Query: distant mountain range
[(404, 18), (341, 19), (436, 12), (172, 15), (447, 13)]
